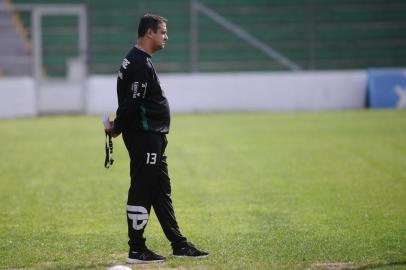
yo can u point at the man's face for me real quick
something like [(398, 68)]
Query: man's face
[(160, 37)]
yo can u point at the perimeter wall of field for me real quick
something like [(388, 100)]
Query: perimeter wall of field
[(216, 92)]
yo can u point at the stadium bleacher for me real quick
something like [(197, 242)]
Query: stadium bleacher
[(315, 34)]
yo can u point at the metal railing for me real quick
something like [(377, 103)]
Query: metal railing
[(197, 7)]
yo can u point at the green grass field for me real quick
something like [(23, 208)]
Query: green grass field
[(258, 190)]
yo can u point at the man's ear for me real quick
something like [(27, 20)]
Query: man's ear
[(149, 32)]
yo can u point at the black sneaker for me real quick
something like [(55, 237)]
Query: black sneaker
[(187, 249), (144, 256)]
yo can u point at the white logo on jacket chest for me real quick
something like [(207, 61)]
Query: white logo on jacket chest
[(134, 89), (139, 91)]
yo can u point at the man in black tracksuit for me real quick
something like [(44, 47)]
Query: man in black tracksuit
[(143, 118)]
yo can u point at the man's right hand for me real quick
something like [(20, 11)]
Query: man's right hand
[(111, 130)]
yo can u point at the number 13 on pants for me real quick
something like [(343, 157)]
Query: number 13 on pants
[(151, 158)]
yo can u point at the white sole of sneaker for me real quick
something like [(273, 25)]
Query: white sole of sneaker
[(135, 261), (191, 257)]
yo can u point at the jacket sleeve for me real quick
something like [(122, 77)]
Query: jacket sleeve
[(122, 109), (131, 81)]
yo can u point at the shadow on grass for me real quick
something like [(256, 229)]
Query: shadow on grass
[(381, 265)]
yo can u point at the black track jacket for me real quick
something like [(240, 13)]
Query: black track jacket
[(142, 105)]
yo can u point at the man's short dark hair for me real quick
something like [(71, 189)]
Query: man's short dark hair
[(149, 21)]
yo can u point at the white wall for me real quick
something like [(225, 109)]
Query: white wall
[(268, 91), (260, 91), (17, 97), (101, 94), (60, 97), (280, 91)]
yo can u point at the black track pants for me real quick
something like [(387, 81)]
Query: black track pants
[(150, 186)]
